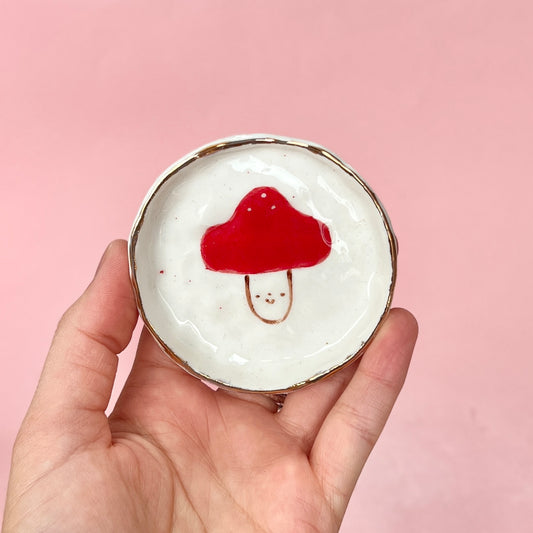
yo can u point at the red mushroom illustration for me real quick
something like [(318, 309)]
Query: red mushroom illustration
[(264, 240)]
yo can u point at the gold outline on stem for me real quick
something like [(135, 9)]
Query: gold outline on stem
[(251, 303)]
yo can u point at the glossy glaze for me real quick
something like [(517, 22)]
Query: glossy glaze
[(265, 234), (213, 311)]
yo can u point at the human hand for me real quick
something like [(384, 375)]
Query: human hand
[(176, 455)]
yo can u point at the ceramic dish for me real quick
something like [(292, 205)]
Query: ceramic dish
[(262, 263)]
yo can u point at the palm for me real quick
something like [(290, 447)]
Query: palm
[(229, 458), (177, 455)]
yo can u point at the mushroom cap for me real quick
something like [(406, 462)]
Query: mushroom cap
[(265, 234)]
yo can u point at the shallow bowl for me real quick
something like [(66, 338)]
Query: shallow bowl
[(262, 263)]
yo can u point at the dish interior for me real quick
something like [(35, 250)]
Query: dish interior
[(204, 278)]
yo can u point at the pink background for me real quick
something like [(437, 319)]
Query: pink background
[(430, 101)]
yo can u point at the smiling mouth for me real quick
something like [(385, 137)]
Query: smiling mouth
[(270, 300)]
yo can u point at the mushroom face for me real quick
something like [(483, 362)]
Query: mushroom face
[(269, 295), (264, 235)]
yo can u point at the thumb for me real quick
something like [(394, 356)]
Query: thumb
[(78, 375)]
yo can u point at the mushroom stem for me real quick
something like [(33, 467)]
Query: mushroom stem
[(269, 297)]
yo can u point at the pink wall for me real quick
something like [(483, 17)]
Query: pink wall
[(429, 101)]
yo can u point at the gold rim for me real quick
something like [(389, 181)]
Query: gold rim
[(234, 142)]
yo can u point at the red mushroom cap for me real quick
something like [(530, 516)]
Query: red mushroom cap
[(265, 234)]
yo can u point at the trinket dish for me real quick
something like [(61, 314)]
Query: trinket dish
[(262, 263)]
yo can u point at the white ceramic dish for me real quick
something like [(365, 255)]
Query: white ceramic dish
[(262, 263)]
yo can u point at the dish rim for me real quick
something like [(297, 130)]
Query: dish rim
[(235, 142)]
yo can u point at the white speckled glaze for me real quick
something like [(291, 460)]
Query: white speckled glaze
[(201, 317)]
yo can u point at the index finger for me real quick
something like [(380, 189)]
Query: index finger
[(79, 372)]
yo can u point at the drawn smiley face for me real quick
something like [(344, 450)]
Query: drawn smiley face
[(270, 295)]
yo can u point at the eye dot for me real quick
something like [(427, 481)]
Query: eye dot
[(249, 209), (282, 294), (264, 195), (257, 296), (273, 207)]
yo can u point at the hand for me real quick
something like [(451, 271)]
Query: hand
[(176, 455)]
